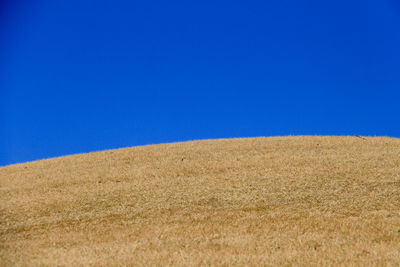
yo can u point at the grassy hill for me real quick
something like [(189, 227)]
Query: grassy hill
[(255, 201)]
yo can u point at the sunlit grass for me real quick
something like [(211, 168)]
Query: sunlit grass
[(257, 201)]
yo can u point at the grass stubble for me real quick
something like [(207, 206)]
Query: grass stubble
[(250, 201)]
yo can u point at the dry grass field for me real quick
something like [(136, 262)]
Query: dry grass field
[(254, 201)]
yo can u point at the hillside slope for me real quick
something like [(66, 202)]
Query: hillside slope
[(279, 200)]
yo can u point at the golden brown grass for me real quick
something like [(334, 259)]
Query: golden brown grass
[(257, 201)]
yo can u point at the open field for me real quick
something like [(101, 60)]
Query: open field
[(257, 201)]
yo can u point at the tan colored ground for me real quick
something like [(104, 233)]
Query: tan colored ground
[(260, 201)]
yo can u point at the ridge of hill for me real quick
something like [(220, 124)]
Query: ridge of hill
[(304, 200)]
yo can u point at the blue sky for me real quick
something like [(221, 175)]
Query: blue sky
[(79, 76)]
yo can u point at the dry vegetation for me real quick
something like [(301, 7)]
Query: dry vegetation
[(258, 201)]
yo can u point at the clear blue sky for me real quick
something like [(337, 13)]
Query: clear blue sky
[(79, 76)]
